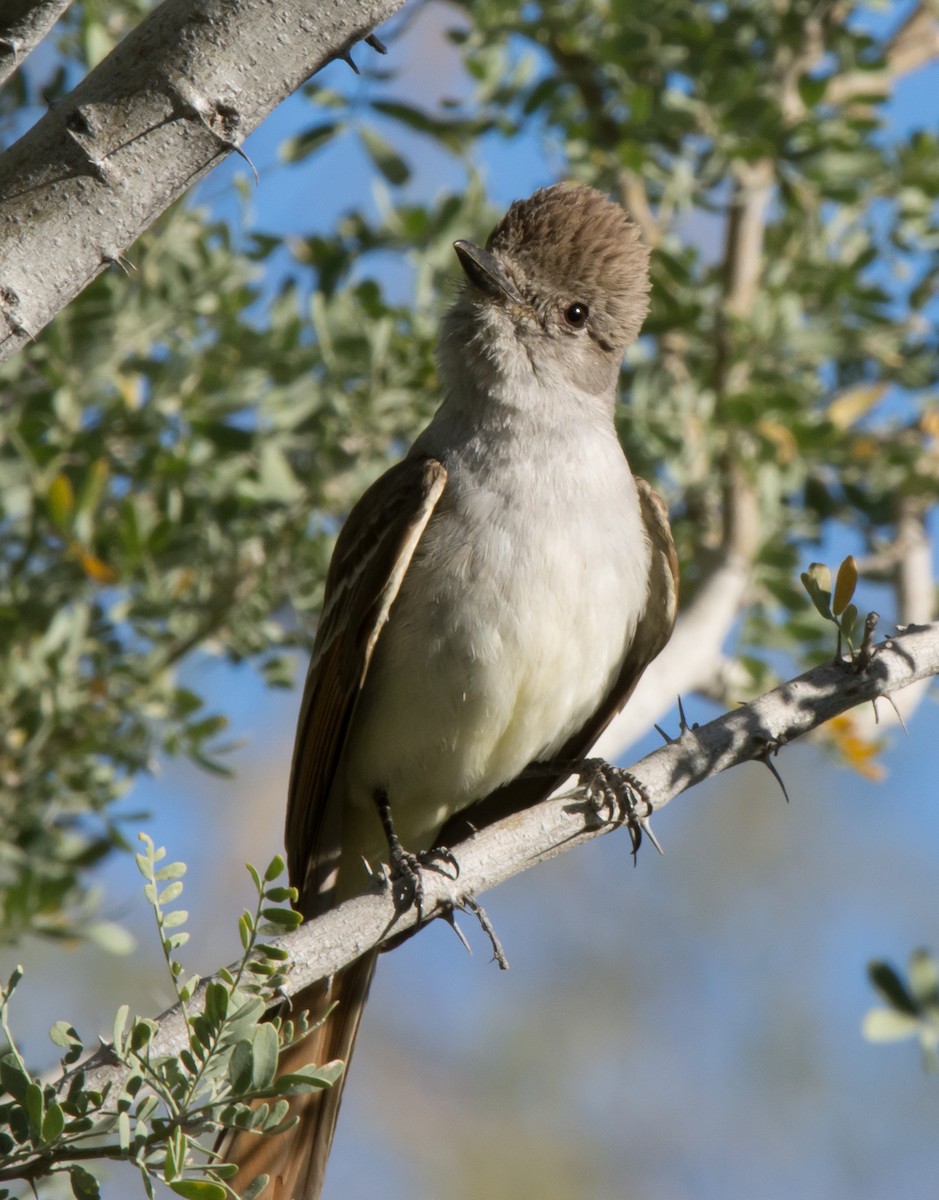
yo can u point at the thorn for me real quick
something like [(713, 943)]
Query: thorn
[(346, 57), (376, 43), (669, 741), (890, 701), (450, 919), (683, 725), (241, 154), (647, 830), (118, 260), (765, 760)]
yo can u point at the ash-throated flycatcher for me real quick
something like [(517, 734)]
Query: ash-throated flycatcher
[(491, 602)]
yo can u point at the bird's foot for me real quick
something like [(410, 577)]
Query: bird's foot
[(407, 869), (613, 796)]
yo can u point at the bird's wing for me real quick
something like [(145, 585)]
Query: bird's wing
[(372, 554), (370, 560), (652, 632)]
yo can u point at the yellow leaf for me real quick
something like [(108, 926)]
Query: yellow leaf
[(781, 436), (848, 408), (864, 448), (844, 585), (130, 389), (95, 568), (858, 752), (61, 501)]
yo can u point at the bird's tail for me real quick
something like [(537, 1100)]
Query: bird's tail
[(296, 1160)]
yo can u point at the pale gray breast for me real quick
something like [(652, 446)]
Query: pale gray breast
[(510, 627)]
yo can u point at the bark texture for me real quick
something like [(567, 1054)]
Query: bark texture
[(178, 94)]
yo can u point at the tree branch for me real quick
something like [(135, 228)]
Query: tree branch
[(23, 25), (179, 93), (912, 46), (496, 853)]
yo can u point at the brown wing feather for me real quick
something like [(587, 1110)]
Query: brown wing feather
[(652, 632), (371, 557)]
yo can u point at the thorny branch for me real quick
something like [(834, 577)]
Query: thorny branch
[(496, 853)]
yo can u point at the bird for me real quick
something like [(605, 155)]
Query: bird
[(490, 604)]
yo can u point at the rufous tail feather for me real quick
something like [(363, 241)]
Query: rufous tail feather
[(296, 1160)]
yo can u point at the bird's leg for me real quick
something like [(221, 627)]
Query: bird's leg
[(612, 795), (405, 866)]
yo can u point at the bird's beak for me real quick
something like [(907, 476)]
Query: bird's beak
[(484, 271)]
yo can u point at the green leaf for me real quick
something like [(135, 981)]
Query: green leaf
[(277, 953), (142, 1034), (171, 893), (256, 1188), (849, 621), (61, 501), (174, 870), (264, 1054), (309, 1078), (216, 1001), (817, 582), (304, 144), (275, 869), (34, 1104), (112, 937), (199, 1189), (811, 90), (62, 1034), (886, 980), (187, 990), (888, 1025), (123, 1131), (52, 1123), (385, 158), (84, 1184), (120, 1023), (13, 1077), (281, 916), (924, 978), (240, 1067)]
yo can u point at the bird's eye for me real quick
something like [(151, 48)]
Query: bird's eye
[(576, 315)]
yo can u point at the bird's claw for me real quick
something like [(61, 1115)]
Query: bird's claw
[(406, 870), (614, 796)]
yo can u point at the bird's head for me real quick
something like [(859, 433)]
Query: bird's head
[(555, 296)]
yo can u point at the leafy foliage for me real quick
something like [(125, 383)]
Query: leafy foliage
[(223, 1077), (835, 606), (911, 1005)]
